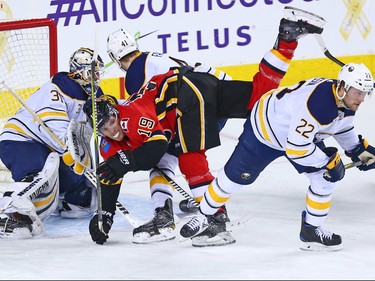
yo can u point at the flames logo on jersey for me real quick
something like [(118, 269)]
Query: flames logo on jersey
[(124, 124)]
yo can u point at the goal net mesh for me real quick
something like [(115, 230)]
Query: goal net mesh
[(28, 58)]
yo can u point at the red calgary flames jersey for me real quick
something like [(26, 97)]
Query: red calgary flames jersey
[(152, 118)]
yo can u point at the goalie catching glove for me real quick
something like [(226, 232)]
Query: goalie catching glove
[(116, 166), (363, 152), (335, 168), (78, 154)]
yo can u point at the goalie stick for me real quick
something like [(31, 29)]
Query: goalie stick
[(89, 175)]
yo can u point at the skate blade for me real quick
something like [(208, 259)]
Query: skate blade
[(222, 239), (176, 219), (166, 234), (313, 246), (18, 233), (295, 14)]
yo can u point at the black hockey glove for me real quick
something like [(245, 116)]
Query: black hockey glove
[(97, 235), (335, 167), (363, 152), (116, 167)]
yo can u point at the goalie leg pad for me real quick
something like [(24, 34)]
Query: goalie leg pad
[(36, 199)]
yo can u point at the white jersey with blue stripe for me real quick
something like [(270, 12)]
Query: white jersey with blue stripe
[(292, 119), (56, 103)]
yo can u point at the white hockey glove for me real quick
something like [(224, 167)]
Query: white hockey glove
[(363, 152), (78, 153)]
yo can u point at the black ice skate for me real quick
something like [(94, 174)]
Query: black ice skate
[(160, 228), (317, 239), (216, 234), (297, 23), (208, 230), (186, 206), (14, 229)]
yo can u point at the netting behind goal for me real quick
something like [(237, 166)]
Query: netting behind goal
[(28, 58)]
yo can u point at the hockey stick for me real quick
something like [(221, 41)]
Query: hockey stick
[(89, 175), (327, 53), (348, 166), (320, 40), (96, 143), (120, 207), (125, 212), (177, 187), (353, 164)]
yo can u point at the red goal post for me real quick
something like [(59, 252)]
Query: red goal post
[(28, 58)]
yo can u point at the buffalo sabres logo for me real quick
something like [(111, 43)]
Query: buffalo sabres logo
[(124, 124), (245, 175)]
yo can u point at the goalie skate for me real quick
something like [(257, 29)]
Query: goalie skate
[(13, 229), (160, 228)]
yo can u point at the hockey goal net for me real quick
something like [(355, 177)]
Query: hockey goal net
[(28, 58)]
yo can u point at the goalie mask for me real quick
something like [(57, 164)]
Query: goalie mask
[(80, 69), (119, 44), (105, 108)]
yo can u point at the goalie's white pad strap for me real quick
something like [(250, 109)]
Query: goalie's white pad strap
[(37, 199)]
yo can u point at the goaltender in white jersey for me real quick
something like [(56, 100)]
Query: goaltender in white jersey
[(35, 158)]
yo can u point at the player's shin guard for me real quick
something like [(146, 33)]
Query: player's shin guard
[(218, 193), (159, 188), (318, 198)]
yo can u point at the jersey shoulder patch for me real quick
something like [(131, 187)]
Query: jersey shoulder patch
[(68, 86), (322, 103)]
